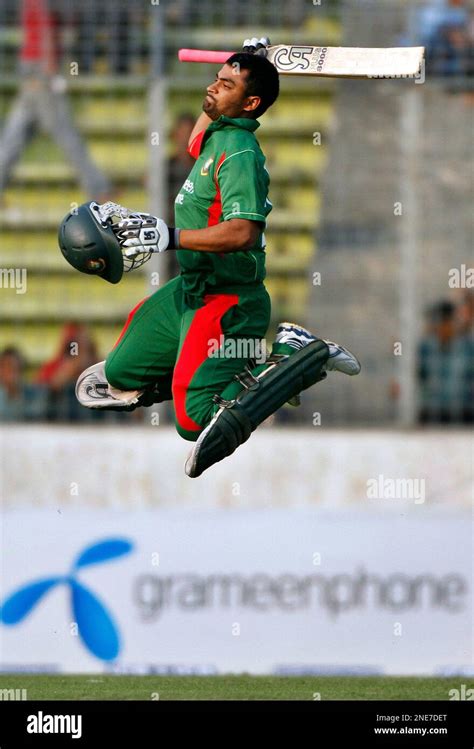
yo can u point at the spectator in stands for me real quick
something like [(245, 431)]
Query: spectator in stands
[(445, 28), (465, 313), (42, 100), (19, 401), (180, 161), (445, 369), (76, 352)]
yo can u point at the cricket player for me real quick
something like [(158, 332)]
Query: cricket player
[(186, 341)]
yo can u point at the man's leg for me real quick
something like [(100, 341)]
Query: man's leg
[(56, 118), (138, 370), (298, 360), (216, 343), (17, 131), (145, 352)]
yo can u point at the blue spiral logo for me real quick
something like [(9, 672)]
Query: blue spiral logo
[(96, 626)]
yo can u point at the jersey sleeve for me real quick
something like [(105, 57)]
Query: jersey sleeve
[(195, 147), (243, 187)]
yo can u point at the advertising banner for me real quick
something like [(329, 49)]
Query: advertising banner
[(216, 591)]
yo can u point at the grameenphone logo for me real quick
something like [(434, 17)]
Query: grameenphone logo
[(97, 628)]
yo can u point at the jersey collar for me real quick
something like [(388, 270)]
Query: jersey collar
[(246, 123), (243, 122)]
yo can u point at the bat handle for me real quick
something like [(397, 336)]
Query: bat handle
[(203, 55)]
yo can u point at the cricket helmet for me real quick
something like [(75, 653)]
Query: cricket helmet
[(90, 244)]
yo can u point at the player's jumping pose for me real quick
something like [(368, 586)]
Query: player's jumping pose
[(176, 343)]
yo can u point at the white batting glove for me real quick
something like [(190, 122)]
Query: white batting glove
[(256, 46), (141, 232), (105, 211)]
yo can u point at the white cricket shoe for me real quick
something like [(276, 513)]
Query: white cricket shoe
[(340, 359), (93, 390)]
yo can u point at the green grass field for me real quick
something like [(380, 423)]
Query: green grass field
[(240, 687)]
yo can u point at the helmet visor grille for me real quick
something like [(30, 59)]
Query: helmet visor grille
[(135, 261)]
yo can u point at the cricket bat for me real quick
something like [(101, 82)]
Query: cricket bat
[(330, 62)]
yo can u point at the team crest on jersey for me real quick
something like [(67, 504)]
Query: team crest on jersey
[(206, 167)]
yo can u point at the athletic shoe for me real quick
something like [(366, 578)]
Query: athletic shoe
[(293, 335), (340, 359)]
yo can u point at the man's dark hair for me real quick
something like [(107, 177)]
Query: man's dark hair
[(442, 311), (15, 353), (185, 117), (262, 79)]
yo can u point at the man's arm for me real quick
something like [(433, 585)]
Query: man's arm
[(201, 124), (140, 232), (228, 236)]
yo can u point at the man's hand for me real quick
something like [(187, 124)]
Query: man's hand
[(141, 232), (256, 46)]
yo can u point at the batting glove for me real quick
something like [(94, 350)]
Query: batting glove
[(256, 46), (106, 211), (141, 232)]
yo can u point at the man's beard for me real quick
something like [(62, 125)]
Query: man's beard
[(209, 107)]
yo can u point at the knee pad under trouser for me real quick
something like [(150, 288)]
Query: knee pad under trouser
[(261, 396)]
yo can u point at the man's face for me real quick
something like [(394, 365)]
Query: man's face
[(445, 330), (227, 95), (10, 370), (181, 135)]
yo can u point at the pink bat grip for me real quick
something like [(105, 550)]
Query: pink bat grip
[(203, 55)]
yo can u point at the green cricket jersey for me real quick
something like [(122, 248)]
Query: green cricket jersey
[(229, 180)]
